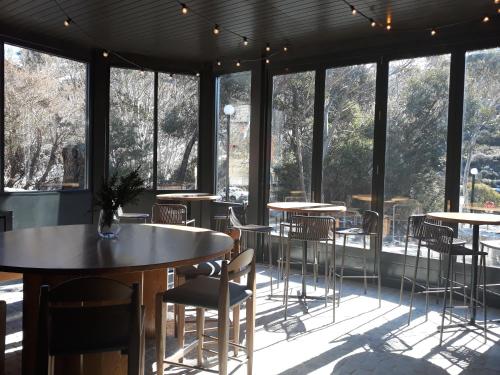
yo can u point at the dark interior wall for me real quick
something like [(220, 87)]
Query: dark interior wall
[(43, 209)]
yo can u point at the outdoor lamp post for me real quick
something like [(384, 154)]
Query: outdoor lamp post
[(228, 111), (473, 172)]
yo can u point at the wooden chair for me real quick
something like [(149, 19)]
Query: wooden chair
[(88, 315), (212, 293), (175, 214)]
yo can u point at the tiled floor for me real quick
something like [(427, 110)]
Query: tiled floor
[(364, 340)]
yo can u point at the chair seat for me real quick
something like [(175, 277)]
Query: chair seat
[(352, 231), (204, 292), (211, 268), (493, 244), (255, 228), (458, 241), (459, 250)]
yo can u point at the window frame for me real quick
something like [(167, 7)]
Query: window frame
[(154, 185), (77, 57)]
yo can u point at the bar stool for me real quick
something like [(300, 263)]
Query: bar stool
[(318, 230), (368, 228), (413, 231), (219, 294), (256, 230), (174, 214), (439, 238)]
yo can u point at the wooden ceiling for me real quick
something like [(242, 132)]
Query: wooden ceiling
[(157, 27)]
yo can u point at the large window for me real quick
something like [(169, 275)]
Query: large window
[(45, 121), (131, 122), (291, 138), (417, 122), (178, 118), (480, 180), (348, 135), (233, 136)]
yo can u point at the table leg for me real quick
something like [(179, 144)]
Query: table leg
[(475, 249)]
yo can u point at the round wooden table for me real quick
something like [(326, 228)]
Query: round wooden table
[(307, 208), (474, 219), (142, 254), (188, 199)]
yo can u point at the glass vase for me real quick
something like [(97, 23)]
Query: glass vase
[(109, 224)]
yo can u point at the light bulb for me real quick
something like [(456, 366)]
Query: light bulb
[(197, 74), (353, 10), (245, 41), (216, 30), (67, 22), (433, 32), (372, 22), (238, 63), (268, 47), (105, 53), (219, 63), (285, 48), (184, 9), (268, 61), (486, 19), (388, 27)]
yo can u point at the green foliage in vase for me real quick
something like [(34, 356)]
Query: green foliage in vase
[(118, 191)]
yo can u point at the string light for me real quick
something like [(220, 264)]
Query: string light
[(268, 47), (197, 74), (433, 32), (219, 63), (245, 41), (372, 22), (497, 1), (353, 10), (238, 63), (388, 27), (268, 61), (285, 48), (67, 22), (184, 8), (486, 19), (216, 29), (105, 53)]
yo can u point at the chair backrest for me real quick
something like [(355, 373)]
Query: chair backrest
[(237, 216), (220, 215), (175, 214), (438, 238), (370, 222), (88, 315), (415, 223), (311, 228)]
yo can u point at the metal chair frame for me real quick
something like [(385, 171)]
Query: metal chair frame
[(369, 228), (319, 230), (439, 238), (174, 214)]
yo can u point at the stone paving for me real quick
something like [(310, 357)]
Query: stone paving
[(364, 339)]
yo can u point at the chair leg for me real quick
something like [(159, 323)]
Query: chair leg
[(51, 364), (444, 302), (427, 284), (326, 274), (465, 288), (315, 265), (270, 254), (200, 328), (404, 269), (334, 277), (365, 285), (378, 254), (223, 339), (342, 270), (161, 331), (181, 331), (236, 328), (485, 308), (250, 317), (413, 284), (452, 285), (287, 278)]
